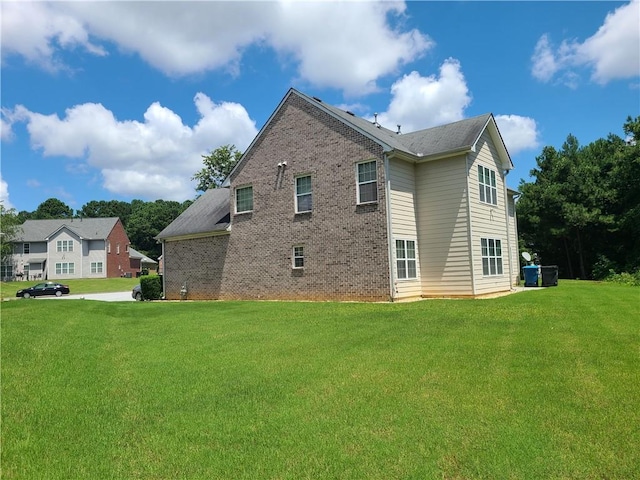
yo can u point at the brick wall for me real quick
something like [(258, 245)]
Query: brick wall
[(118, 263), (198, 263), (345, 245)]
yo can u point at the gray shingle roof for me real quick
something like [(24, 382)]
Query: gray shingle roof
[(209, 213), (86, 228)]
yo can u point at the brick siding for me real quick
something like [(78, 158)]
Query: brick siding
[(118, 264), (345, 244)]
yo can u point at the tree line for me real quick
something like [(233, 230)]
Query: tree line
[(582, 209)]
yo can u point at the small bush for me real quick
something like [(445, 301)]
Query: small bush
[(624, 278), (151, 287)]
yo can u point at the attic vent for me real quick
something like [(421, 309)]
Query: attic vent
[(317, 99), (350, 113)]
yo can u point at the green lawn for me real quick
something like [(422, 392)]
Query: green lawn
[(81, 285), (537, 385)]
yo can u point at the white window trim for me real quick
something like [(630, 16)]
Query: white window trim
[(482, 187), (358, 183), (406, 260), (235, 199), (297, 195), (294, 257), (490, 257)]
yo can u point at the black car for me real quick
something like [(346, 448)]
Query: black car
[(48, 288)]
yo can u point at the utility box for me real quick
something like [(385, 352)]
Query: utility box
[(530, 275), (549, 275)]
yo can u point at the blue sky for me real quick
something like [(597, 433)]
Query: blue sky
[(119, 100)]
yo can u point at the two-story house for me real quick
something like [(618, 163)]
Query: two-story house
[(325, 205), (71, 248)]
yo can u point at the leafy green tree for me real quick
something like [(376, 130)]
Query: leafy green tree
[(148, 220), (217, 166), (9, 227), (107, 208), (582, 212), (52, 208)]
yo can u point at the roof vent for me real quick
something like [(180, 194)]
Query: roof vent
[(350, 113), (317, 99), (398, 132), (375, 119)]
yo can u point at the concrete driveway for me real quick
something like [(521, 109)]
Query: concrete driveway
[(103, 297)]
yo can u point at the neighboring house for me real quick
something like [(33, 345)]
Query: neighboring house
[(325, 205), (140, 262), (70, 248)]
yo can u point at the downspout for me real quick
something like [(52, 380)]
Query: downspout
[(387, 190), (506, 216), (470, 227), (164, 263)]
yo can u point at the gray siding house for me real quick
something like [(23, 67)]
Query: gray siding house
[(325, 205), (70, 248)]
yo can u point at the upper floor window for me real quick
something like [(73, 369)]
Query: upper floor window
[(487, 184), (64, 245), (304, 200), (298, 256), (26, 248), (406, 259), (491, 256), (367, 182), (244, 199)]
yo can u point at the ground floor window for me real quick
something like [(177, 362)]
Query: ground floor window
[(96, 267), (6, 271), (406, 259), (65, 268), (298, 256), (491, 256)]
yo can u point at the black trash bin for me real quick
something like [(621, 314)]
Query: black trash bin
[(549, 275)]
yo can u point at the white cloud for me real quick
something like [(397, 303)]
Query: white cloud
[(421, 102), (613, 52), (152, 159), (6, 132), (346, 46), (519, 133), (4, 194), (37, 30)]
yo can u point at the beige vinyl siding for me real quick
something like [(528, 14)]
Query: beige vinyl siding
[(402, 199), (443, 227), (93, 251), (488, 221)]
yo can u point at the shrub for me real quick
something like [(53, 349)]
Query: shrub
[(624, 278), (151, 287)]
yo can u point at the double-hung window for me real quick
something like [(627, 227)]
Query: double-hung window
[(298, 256), (244, 199), (26, 248), (406, 259), (64, 268), (487, 185), (64, 245), (367, 182), (96, 267), (304, 202), (491, 256)]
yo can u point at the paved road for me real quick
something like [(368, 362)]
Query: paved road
[(103, 297)]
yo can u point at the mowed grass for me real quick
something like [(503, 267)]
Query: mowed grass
[(76, 285), (540, 384)]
